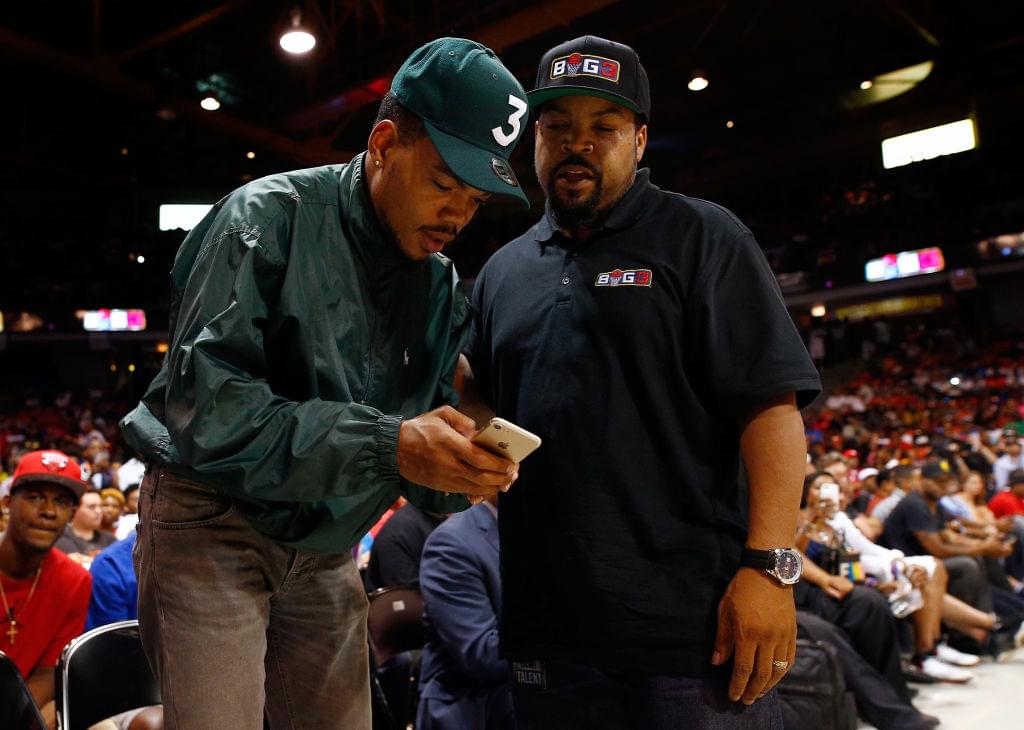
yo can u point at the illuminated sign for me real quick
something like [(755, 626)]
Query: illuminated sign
[(927, 144), (114, 320), (182, 216), (904, 264), (896, 305), (1008, 244)]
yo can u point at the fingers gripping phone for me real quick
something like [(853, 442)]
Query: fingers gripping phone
[(507, 440)]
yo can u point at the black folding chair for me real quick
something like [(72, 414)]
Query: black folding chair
[(17, 707), (103, 673), (395, 627)]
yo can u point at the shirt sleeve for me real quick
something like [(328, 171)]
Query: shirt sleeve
[(918, 518), (455, 597), (73, 623), (751, 349), (221, 413), (999, 505), (109, 601)]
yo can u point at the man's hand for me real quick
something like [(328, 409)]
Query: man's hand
[(434, 450), (838, 587), (993, 547), (1005, 524), (917, 575), (756, 623)]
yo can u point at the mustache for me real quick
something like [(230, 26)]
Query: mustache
[(444, 230), (575, 161)]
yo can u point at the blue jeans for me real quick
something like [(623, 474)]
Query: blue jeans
[(235, 625), (559, 695)]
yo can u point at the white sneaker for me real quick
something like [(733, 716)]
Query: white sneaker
[(944, 672), (950, 655)]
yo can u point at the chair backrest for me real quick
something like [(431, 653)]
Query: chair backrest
[(102, 673), (17, 707), (395, 621)]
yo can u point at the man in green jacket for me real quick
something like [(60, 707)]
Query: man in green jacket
[(314, 330)]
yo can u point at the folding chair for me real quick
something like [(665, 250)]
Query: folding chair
[(102, 673), (17, 707), (395, 627)]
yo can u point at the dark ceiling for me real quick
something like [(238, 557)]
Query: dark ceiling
[(101, 111), (88, 79)]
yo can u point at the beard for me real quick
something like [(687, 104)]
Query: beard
[(575, 211)]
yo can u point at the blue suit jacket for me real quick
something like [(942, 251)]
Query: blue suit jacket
[(464, 684)]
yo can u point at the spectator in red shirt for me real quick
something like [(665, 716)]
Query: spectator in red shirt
[(45, 594), (1008, 507), (1011, 502)]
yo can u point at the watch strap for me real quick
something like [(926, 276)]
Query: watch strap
[(751, 558)]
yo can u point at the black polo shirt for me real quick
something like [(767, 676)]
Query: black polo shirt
[(911, 515), (634, 357)]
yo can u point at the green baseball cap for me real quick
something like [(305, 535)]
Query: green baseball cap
[(472, 107)]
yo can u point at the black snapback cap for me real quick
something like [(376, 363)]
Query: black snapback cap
[(592, 66)]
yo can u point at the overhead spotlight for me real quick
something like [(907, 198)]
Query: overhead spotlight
[(210, 103), (866, 84), (140, 258), (954, 381), (699, 82), (251, 155), (730, 124), (124, 152), (296, 39)]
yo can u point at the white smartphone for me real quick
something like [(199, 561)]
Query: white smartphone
[(507, 440)]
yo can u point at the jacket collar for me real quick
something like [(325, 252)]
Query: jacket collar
[(359, 219)]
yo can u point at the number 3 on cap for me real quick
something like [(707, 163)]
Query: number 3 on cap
[(520, 107)]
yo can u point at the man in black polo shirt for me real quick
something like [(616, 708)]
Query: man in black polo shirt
[(917, 526), (642, 335)]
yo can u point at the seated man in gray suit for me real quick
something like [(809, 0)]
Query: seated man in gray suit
[(463, 681)]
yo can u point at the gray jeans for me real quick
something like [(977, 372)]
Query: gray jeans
[(234, 624)]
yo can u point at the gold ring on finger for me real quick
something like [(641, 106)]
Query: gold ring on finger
[(779, 664)]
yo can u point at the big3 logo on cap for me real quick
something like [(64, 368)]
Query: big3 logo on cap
[(585, 64)]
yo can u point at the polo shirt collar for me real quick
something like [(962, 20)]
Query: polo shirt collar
[(624, 215)]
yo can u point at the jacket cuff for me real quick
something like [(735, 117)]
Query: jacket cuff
[(386, 439)]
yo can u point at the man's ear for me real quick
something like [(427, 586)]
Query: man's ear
[(641, 142), (383, 137)]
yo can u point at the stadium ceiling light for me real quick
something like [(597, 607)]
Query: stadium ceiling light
[(699, 82), (210, 103), (730, 124), (866, 84), (297, 40)]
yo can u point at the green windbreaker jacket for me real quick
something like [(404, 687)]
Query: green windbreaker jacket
[(300, 336)]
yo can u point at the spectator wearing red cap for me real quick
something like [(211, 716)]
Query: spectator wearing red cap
[(44, 594)]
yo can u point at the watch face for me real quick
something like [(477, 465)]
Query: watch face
[(788, 566)]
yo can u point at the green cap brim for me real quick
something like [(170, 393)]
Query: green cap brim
[(539, 96), (474, 165)]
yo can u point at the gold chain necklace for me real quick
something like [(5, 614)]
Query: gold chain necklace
[(12, 632)]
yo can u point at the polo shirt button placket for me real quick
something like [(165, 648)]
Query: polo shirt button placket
[(566, 281)]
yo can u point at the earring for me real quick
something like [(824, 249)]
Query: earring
[(376, 163)]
